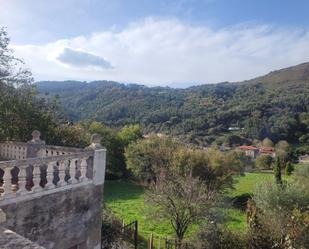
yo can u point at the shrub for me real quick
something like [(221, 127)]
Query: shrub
[(280, 216), (264, 162), (216, 237)]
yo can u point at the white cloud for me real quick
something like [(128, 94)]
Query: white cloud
[(162, 52), (82, 59)]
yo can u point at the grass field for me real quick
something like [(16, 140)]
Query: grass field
[(126, 200), (246, 184)]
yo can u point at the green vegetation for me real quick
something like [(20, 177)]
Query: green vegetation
[(147, 158), (279, 215), (246, 184), (187, 188), (274, 107), (126, 200), (289, 168), (20, 111), (263, 162), (277, 171)]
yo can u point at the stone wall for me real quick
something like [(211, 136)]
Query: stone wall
[(11, 240), (60, 220)]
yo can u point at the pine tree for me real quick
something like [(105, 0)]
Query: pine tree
[(289, 168), (277, 171)]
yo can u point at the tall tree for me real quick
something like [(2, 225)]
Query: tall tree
[(20, 111), (277, 171), (289, 168), (129, 134), (267, 142), (283, 150)]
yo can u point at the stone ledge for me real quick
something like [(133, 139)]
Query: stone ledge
[(34, 195), (12, 240)]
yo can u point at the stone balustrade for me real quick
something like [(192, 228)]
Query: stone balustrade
[(13, 150), (35, 168)]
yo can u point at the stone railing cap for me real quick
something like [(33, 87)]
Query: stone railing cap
[(36, 138), (95, 142)]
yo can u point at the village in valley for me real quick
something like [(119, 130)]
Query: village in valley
[(159, 124)]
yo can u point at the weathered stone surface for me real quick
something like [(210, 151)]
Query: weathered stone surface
[(2, 216), (11, 240), (60, 220)]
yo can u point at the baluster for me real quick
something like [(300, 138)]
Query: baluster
[(9, 152), (14, 152), (83, 170), (72, 171), (78, 169), (62, 167), (36, 178), (50, 175), (7, 183), (22, 180)]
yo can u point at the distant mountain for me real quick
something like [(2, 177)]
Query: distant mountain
[(267, 106), (299, 73)]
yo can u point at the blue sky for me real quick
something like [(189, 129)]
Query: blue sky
[(158, 42)]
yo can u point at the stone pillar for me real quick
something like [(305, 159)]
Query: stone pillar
[(34, 145), (99, 159), (99, 164)]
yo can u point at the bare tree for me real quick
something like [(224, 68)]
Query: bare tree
[(181, 199)]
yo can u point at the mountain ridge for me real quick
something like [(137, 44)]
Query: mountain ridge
[(267, 106), (299, 72)]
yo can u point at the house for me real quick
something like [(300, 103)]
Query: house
[(250, 151), (304, 159), (267, 151), (51, 196)]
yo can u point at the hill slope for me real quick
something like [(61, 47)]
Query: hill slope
[(268, 106)]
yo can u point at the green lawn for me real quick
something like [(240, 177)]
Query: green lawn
[(126, 200), (246, 184)]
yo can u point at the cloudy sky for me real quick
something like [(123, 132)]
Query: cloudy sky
[(157, 42)]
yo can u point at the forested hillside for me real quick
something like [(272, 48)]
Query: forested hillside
[(274, 106)]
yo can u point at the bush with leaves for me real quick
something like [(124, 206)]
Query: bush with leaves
[(264, 162), (281, 216), (215, 236), (146, 158), (129, 134), (71, 135)]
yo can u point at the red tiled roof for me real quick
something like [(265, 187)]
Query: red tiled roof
[(267, 150), (245, 147)]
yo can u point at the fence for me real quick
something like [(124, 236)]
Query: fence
[(115, 236), (118, 235), (157, 242)]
